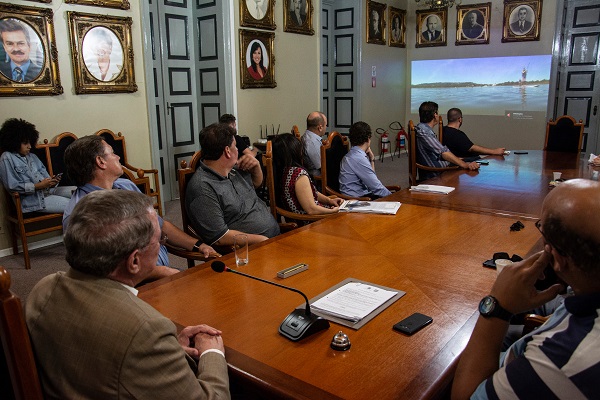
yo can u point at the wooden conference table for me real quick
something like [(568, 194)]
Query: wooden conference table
[(510, 185), (433, 254)]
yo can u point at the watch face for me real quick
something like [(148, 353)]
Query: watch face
[(486, 305)]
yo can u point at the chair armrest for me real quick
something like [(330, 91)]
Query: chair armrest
[(393, 188), (190, 255), (287, 226)]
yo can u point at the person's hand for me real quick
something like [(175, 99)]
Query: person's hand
[(596, 161), (46, 183), (335, 201), (370, 154), (499, 151), (514, 288), (206, 250), (187, 338), (247, 162), (472, 166)]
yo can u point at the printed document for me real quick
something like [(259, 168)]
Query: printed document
[(373, 207)]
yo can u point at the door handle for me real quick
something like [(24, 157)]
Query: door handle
[(169, 108), (595, 109)]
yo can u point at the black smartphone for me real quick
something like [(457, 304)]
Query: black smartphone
[(58, 176), (413, 323)]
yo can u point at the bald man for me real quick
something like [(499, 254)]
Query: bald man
[(316, 124), (561, 358)]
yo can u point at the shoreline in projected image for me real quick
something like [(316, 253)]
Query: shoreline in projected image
[(483, 86)]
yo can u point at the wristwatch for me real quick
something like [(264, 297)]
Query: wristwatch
[(197, 246), (489, 307)]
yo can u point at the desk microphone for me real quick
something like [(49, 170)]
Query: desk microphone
[(300, 323)]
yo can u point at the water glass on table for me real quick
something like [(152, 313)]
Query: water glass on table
[(240, 246)]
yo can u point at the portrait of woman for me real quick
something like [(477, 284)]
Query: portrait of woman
[(102, 54), (257, 60), (396, 30)]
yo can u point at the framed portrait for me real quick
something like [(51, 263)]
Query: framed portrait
[(473, 24), (297, 16), (522, 20), (376, 22), (258, 14), (397, 27), (28, 54), (122, 4), (257, 61), (432, 27), (42, 1), (101, 53)]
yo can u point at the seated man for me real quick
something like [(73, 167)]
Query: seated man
[(316, 123), (357, 169), (458, 142), (560, 358), (430, 151), (221, 200), (93, 338), (92, 165)]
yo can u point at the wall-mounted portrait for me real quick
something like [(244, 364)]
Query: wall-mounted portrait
[(122, 4), (257, 61), (102, 54), (28, 55), (397, 27), (431, 27), (473, 24), (297, 16), (376, 22), (258, 13), (522, 20)]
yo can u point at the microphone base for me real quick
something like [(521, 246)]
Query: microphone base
[(298, 325)]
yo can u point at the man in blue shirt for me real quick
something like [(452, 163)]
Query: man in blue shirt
[(316, 124), (357, 169), (561, 358), (17, 44)]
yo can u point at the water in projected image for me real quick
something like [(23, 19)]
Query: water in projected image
[(516, 87)]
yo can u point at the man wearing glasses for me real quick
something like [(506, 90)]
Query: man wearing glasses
[(560, 359)]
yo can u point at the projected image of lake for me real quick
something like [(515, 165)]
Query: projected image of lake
[(483, 86)]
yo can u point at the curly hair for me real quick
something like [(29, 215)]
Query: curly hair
[(15, 132), (360, 132), (80, 158)]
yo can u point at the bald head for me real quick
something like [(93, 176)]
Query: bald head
[(314, 120)]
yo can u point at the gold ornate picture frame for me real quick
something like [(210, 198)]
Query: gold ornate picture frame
[(258, 14), (121, 4), (257, 60), (102, 53), (28, 54), (473, 24), (397, 27), (432, 26), (522, 20), (376, 22), (297, 16)]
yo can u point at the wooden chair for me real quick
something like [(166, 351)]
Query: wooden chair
[(117, 142), (296, 131), (275, 209), (441, 129), (413, 166), (52, 155), (532, 322), (564, 135), (18, 358)]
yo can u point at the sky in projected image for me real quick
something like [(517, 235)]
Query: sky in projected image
[(482, 86)]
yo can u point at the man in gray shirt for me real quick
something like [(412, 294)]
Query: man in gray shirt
[(221, 200)]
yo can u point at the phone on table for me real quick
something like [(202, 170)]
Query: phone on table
[(413, 323)]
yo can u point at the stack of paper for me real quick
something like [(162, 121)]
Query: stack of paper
[(432, 189), (373, 207)]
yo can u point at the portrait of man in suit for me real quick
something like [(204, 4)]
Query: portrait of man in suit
[(396, 29), (16, 41), (432, 31), (298, 11), (523, 23), (257, 8), (375, 25), (471, 28)]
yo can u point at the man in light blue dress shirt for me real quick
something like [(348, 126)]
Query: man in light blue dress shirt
[(316, 123)]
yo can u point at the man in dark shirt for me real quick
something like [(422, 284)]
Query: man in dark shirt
[(458, 142)]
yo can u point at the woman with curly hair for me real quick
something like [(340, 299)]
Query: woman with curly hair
[(22, 171)]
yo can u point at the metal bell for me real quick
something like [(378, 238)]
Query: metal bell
[(340, 342)]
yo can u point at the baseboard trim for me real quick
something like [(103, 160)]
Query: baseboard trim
[(33, 245)]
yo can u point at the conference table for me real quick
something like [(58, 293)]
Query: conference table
[(512, 185)]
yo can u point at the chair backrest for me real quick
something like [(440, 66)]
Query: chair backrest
[(412, 154), (117, 142), (564, 134), (16, 345), (296, 131), (55, 151), (441, 129), (184, 176), (333, 151)]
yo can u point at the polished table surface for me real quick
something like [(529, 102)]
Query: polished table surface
[(512, 185), (433, 254)]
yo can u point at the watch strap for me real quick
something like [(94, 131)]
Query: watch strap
[(197, 246), (498, 311)]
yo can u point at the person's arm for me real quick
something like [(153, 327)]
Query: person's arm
[(179, 238), (20, 182), (228, 238), (484, 150), (448, 156), (306, 199), (363, 169), (250, 164), (515, 291), (330, 201)]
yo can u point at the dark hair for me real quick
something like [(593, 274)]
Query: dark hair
[(256, 45), (427, 111), (15, 132), (315, 121), (213, 140), (454, 114), (581, 249), (287, 152), (359, 133), (226, 119), (80, 158), (106, 226), (11, 25)]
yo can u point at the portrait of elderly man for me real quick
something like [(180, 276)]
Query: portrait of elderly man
[(432, 32), (257, 8), (523, 24), (16, 41), (471, 28), (100, 59), (298, 11)]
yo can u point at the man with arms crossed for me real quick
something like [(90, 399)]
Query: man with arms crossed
[(561, 358), (429, 150), (93, 338), (92, 165), (220, 199), (316, 123), (17, 44), (458, 142)]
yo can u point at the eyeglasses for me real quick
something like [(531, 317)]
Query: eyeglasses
[(163, 238), (538, 225)]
